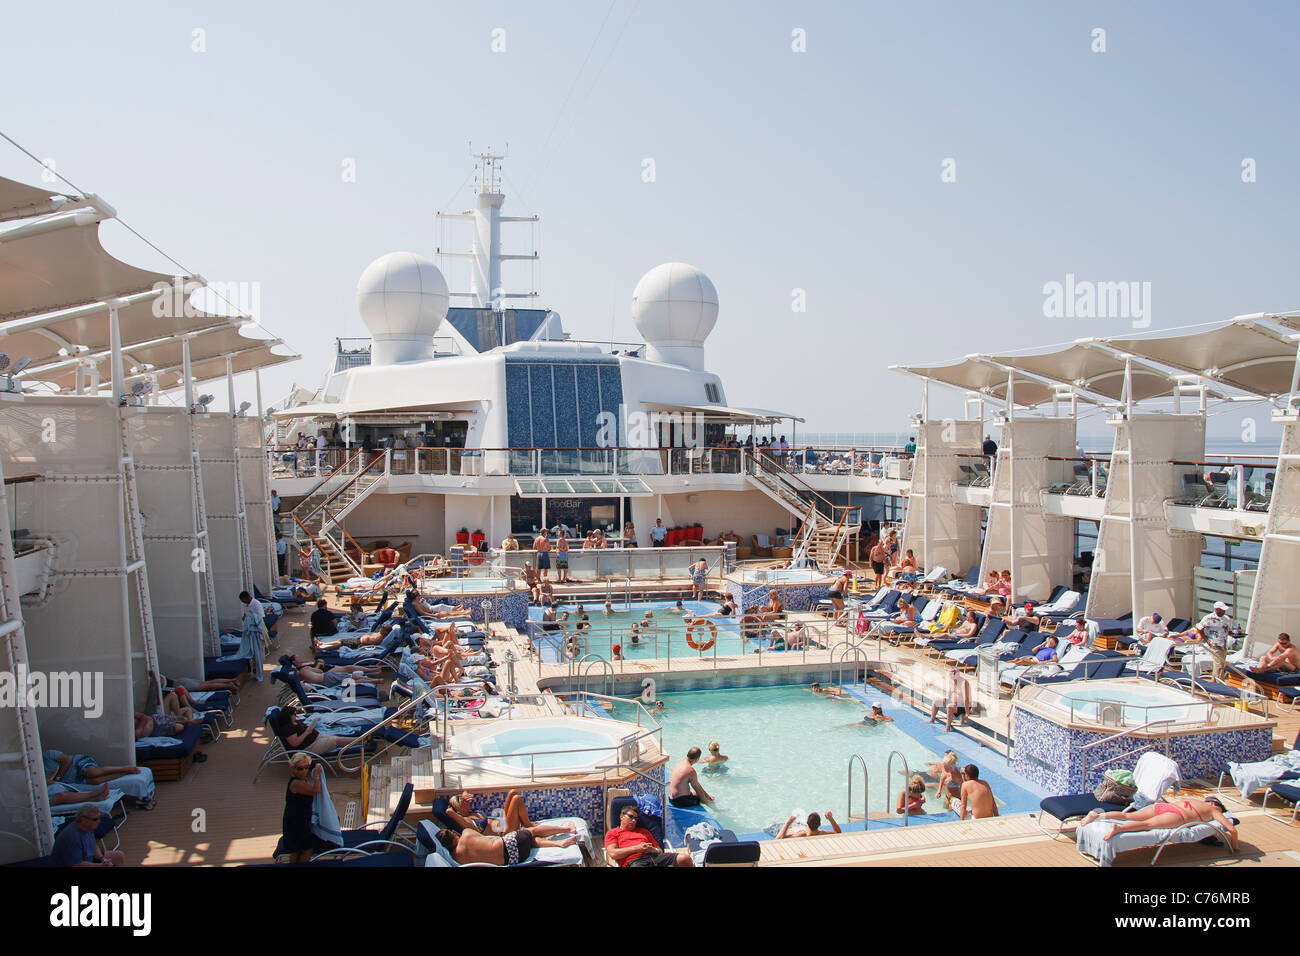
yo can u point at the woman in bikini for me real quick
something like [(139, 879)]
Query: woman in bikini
[(1165, 816)]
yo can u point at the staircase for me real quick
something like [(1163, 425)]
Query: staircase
[(318, 518), (825, 530)]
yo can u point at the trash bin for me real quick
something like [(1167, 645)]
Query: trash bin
[(986, 676)]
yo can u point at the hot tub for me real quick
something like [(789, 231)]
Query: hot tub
[(505, 603), (1068, 734), (799, 590), (546, 746)]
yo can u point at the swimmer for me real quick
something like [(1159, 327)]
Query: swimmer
[(648, 615), (609, 609), (878, 715), (616, 652), (677, 608), (716, 756), (829, 691), (914, 796), (634, 635), (659, 708)]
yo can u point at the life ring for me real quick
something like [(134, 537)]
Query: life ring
[(690, 634), (648, 690)]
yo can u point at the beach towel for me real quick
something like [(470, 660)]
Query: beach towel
[(1090, 839), (1250, 777), (324, 818)]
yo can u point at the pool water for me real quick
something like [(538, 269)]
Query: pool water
[(784, 577), (466, 586), (1139, 704), (789, 751), (544, 743), (667, 638)]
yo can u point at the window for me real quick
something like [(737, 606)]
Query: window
[(711, 392)]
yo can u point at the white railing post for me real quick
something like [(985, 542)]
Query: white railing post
[(1241, 488)]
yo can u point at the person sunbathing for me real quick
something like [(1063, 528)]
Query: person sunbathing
[(773, 609), (1280, 657), (59, 797), (514, 847), (79, 768), (1166, 816), (440, 611), (437, 672), (297, 735), (1044, 653), (1026, 620), (359, 640), (192, 684), (161, 725), (460, 810), (318, 673)]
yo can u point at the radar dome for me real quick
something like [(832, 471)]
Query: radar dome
[(675, 307), (402, 298)]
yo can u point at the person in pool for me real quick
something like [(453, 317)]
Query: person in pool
[(914, 796), (716, 757), (609, 609), (634, 635), (811, 828), (677, 608), (616, 652), (829, 691), (950, 776), (877, 716)]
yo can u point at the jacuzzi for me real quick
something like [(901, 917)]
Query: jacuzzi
[(505, 602), (1066, 735), (799, 590), (546, 746)]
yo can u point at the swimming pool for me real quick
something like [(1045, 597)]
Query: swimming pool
[(789, 750), (1124, 702), (465, 585), (666, 637), (551, 742)]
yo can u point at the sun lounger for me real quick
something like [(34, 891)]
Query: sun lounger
[(1153, 775), (434, 854), (1090, 839), (1289, 792), (170, 762)]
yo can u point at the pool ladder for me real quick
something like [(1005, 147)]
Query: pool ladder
[(866, 786)]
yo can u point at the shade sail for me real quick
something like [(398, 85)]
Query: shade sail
[(62, 268), (18, 199), (728, 413), (978, 375), (1092, 369), (89, 328), (1239, 354)]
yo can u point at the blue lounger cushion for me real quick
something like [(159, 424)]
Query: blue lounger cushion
[(189, 739), (1071, 805), (216, 670)]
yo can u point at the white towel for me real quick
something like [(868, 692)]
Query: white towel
[(324, 818), (1154, 775)]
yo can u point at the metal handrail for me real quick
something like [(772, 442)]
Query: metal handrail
[(405, 708), (843, 655), (594, 660), (352, 480), (866, 790), (1128, 753), (889, 766)]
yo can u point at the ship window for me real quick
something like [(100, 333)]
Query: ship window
[(711, 392)]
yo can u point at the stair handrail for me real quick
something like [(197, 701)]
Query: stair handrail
[(380, 460), (889, 766), (316, 487), (866, 791), (798, 485), (342, 554), (406, 708)]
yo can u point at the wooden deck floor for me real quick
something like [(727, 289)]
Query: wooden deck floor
[(218, 816)]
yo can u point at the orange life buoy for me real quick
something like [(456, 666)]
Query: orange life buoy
[(690, 634)]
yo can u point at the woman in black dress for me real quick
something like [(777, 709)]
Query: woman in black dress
[(299, 841)]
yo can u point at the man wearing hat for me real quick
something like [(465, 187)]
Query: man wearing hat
[(1212, 631), (1151, 626)]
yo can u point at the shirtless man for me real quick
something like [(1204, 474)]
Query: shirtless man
[(811, 828), (355, 640), (562, 558), (313, 673), (684, 788), (976, 799), (542, 545), (514, 847), (879, 556), (957, 701), (1280, 657)]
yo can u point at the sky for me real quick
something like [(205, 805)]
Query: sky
[(912, 175)]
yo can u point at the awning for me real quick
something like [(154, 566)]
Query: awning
[(1241, 354), (977, 374), (18, 200), (64, 267), (588, 487), (729, 414), (1092, 369)]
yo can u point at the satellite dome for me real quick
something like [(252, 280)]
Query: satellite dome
[(675, 307), (402, 298)]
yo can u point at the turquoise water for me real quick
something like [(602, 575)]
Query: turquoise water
[(782, 577), (666, 636), (789, 751), (544, 742), (466, 586)]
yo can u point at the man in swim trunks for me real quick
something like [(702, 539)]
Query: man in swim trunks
[(542, 545), (562, 558), (514, 847), (630, 844), (976, 799), (1280, 657), (957, 701), (684, 788), (879, 555)]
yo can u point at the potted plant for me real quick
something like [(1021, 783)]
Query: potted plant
[(477, 538), (462, 536)]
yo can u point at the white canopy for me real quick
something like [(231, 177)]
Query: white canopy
[(1242, 354), (979, 374), (1094, 369)]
